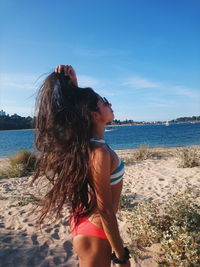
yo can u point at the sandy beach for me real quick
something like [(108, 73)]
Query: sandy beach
[(25, 244)]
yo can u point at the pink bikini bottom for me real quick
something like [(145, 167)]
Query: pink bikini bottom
[(85, 227)]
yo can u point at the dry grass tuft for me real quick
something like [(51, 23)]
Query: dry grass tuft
[(189, 157), (22, 164), (143, 152)]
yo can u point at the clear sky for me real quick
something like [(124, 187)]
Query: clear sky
[(143, 55)]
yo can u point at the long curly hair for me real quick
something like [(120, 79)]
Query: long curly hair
[(63, 122)]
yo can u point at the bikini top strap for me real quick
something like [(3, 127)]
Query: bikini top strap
[(96, 139)]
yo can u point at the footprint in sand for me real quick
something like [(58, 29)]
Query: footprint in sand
[(34, 239), (65, 223), (48, 230), (44, 247), (67, 245), (55, 234), (7, 239)]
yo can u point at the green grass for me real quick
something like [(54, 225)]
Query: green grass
[(25, 200)]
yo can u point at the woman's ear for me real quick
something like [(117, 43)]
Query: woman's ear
[(95, 115)]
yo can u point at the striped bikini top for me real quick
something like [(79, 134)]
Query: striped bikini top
[(117, 175)]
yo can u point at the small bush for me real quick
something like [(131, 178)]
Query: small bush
[(175, 225), (25, 158), (142, 153), (126, 201), (23, 201), (22, 164), (189, 157), (139, 154)]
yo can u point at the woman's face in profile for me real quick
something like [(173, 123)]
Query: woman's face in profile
[(104, 107)]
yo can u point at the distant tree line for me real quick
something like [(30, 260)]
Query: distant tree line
[(121, 122), (187, 119), (16, 122)]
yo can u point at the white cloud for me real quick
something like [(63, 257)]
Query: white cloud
[(140, 82), (184, 91), (161, 102), (87, 81), (23, 81), (101, 86)]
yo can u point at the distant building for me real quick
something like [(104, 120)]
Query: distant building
[(2, 113)]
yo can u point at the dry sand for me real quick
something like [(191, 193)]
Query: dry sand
[(24, 244)]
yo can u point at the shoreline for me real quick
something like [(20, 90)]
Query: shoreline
[(118, 125), (141, 124), (2, 158), (158, 147), (17, 130)]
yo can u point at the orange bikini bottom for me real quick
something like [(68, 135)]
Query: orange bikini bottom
[(85, 227)]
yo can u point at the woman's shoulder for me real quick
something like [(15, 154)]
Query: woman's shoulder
[(100, 150), (101, 160)]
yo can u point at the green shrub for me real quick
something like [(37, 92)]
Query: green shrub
[(181, 242), (175, 225)]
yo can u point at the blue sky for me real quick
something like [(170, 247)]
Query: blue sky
[(143, 55)]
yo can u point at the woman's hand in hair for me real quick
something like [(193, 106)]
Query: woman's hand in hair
[(67, 70)]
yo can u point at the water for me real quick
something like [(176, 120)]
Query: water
[(182, 134), (13, 141), (122, 137)]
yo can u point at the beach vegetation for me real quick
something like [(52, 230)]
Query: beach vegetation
[(175, 225), (142, 153), (25, 200), (21, 164), (139, 154), (188, 157)]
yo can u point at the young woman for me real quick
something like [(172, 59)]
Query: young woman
[(86, 174)]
